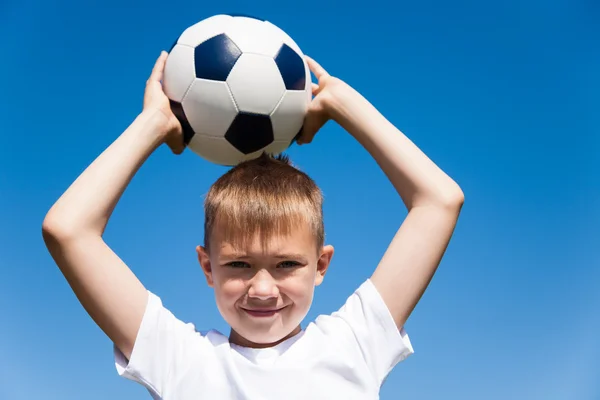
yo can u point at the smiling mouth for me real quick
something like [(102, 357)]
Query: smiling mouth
[(263, 313)]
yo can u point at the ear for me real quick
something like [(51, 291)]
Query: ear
[(204, 261), (323, 263)]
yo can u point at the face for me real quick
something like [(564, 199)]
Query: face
[(264, 294)]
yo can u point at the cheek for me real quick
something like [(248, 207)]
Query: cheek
[(228, 290), (300, 288)]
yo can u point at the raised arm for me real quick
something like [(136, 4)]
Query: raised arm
[(433, 199), (73, 228)]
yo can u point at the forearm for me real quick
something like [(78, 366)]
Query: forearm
[(415, 177), (88, 203)]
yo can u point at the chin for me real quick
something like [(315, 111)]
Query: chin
[(264, 333)]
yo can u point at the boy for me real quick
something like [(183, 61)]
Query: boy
[(263, 255)]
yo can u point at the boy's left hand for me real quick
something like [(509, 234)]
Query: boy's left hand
[(319, 110)]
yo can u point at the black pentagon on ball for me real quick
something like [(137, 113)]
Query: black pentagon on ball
[(215, 58), (188, 132), (250, 132), (291, 67)]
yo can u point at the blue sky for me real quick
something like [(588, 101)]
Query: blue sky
[(504, 96)]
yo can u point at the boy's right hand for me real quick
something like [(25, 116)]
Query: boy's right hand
[(157, 103)]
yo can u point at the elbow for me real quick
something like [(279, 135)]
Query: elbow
[(56, 229), (448, 198), (455, 198), (53, 230), (61, 225)]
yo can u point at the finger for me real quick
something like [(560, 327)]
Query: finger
[(316, 68), (178, 149), (175, 144), (312, 124), (159, 67), (315, 89)]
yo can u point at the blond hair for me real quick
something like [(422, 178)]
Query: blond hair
[(264, 196)]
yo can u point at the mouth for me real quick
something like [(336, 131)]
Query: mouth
[(263, 313)]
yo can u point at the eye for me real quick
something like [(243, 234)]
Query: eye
[(288, 264), (238, 264)]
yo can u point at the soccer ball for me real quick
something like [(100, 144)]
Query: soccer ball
[(240, 86)]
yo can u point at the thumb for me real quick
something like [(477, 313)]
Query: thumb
[(175, 142), (312, 123)]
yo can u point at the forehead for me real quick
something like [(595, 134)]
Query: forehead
[(299, 239)]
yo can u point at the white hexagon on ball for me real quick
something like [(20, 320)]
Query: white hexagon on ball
[(288, 117), (204, 30), (218, 150), (209, 107), (254, 36), (256, 84), (283, 37), (277, 147), (179, 72)]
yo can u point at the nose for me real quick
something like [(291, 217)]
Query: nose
[(263, 286)]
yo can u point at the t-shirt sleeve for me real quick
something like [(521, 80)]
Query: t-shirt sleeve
[(372, 329), (161, 341)]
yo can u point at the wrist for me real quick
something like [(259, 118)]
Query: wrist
[(338, 101), (154, 123)]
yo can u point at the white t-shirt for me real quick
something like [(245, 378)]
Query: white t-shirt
[(346, 355)]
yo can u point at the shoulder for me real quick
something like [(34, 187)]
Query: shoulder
[(364, 327), (168, 351), (162, 340), (364, 304)]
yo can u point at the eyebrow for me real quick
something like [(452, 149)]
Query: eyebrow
[(279, 256), (290, 256)]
